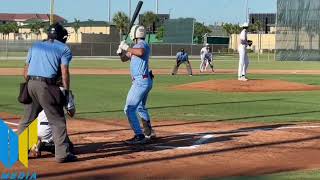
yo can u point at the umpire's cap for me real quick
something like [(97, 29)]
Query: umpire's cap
[(58, 32)]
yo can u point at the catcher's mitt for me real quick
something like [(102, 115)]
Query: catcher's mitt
[(70, 106), (69, 102), (250, 42)]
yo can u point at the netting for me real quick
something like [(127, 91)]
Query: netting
[(298, 30), (178, 31)]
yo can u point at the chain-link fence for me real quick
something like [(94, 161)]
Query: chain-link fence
[(20, 49)]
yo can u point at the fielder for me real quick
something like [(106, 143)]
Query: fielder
[(243, 56), (182, 58), (208, 60), (203, 51), (142, 82)]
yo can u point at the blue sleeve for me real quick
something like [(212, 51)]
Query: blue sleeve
[(66, 57), (29, 56), (139, 45), (178, 54)]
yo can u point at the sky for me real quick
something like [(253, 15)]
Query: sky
[(206, 11)]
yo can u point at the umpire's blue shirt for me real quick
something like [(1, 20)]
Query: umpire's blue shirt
[(182, 56), (44, 58)]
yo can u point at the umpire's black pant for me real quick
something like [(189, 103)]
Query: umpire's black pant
[(177, 65), (50, 99)]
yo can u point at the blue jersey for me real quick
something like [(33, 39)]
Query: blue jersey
[(139, 66), (208, 56), (44, 58), (182, 56)]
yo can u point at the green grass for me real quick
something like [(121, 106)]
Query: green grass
[(301, 175), (221, 62), (104, 97)]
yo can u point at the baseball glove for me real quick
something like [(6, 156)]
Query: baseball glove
[(69, 102), (250, 42), (70, 105)]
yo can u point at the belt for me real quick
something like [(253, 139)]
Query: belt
[(44, 123), (143, 77), (43, 79)]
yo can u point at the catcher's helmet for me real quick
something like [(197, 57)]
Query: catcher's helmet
[(137, 32), (58, 32)]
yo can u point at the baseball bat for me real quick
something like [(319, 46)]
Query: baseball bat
[(134, 17)]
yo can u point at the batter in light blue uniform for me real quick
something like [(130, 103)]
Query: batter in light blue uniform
[(142, 81)]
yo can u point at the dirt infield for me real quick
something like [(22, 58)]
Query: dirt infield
[(183, 150), (248, 86), (100, 71)]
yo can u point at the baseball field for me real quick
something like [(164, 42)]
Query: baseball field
[(209, 126)]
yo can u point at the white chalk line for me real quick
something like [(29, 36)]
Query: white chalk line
[(11, 123), (205, 138), (258, 129)]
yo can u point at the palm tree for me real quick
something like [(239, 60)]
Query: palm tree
[(231, 29), (160, 33), (6, 30), (199, 32), (121, 20), (76, 27), (13, 28), (35, 27), (148, 20)]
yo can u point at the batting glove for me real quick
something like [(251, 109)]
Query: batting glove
[(119, 51), (124, 46)]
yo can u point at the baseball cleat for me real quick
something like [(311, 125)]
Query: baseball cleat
[(69, 158), (148, 130), (152, 135), (137, 140), (242, 78)]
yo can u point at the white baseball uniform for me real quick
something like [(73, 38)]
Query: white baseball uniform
[(243, 56), (203, 51)]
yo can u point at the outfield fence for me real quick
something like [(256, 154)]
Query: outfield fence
[(19, 49)]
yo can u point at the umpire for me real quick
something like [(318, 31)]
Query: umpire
[(182, 58), (47, 62)]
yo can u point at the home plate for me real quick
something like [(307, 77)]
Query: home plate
[(195, 145)]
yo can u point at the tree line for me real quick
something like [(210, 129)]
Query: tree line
[(121, 21)]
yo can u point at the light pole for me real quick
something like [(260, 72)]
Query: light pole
[(247, 10), (52, 12), (109, 10), (157, 6), (170, 12), (129, 4)]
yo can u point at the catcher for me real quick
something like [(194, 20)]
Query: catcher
[(182, 58), (45, 135)]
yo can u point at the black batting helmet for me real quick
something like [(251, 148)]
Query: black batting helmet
[(58, 32)]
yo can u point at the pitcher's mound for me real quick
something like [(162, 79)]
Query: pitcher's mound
[(249, 86)]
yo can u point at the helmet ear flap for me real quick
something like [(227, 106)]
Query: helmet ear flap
[(137, 32)]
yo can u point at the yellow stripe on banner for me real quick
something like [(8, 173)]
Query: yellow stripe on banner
[(23, 147), (33, 133)]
